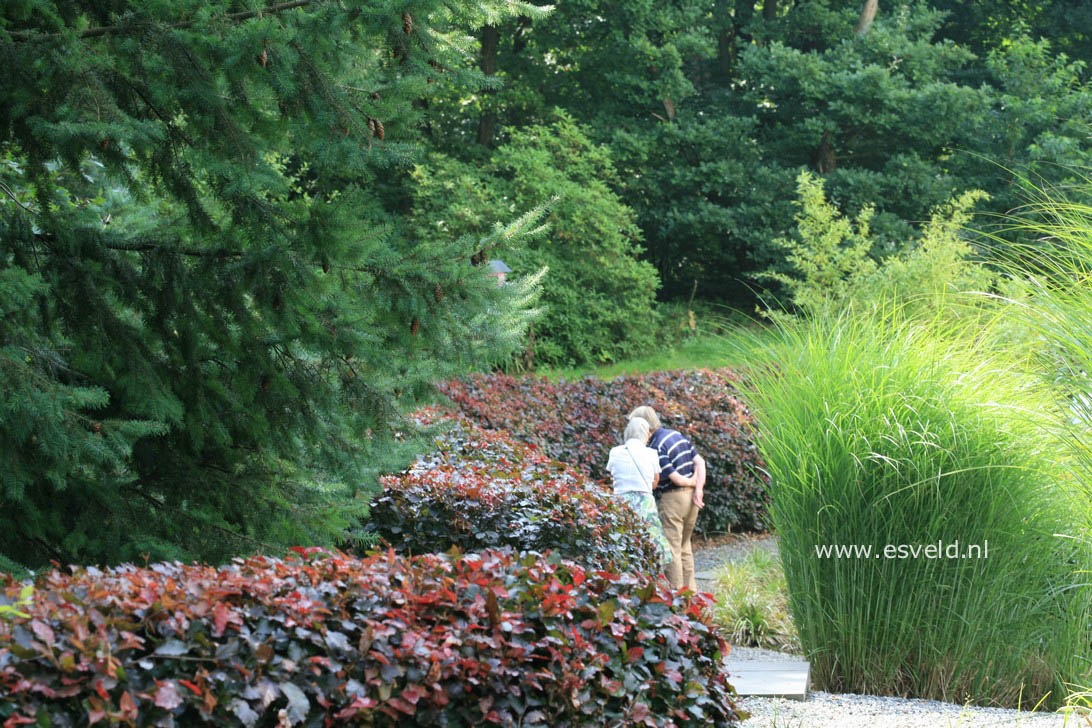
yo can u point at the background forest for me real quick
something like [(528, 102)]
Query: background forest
[(238, 243)]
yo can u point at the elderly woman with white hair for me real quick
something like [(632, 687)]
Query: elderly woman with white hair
[(635, 469)]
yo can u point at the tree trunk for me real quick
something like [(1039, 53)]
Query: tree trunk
[(487, 124), (519, 38), (745, 12), (726, 32), (825, 159), (868, 14), (769, 9)]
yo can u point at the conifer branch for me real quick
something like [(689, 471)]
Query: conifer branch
[(9, 193), (190, 252), (25, 35), (226, 531)]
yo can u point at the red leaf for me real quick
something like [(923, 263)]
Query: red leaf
[(101, 690), (191, 686), (402, 706), (220, 614), (43, 631), (128, 706)]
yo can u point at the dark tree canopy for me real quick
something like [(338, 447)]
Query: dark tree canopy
[(211, 315), (711, 108)]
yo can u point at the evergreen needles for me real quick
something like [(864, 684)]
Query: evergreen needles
[(210, 319)]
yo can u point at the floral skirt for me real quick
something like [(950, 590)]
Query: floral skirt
[(644, 505)]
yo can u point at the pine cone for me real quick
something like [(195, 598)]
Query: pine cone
[(263, 58), (438, 293), (407, 23), (325, 266), (415, 326), (379, 130), (371, 126)]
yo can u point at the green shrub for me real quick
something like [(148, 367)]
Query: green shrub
[(882, 433), (578, 422), (481, 489), (598, 297), (834, 262), (325, 639)]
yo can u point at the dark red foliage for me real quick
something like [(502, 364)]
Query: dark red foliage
[(579, 421), (482, 489), (327, 639)]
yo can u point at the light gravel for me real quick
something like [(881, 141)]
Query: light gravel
[(828, 710)]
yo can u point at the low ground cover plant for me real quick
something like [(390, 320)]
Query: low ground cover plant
[(752, 602), (324, 638), (879, 433), (483, 489), (579, 421)]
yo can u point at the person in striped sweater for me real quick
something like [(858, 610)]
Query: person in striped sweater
[(679, 494)]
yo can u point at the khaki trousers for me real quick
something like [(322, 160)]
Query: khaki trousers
[(678, 514)]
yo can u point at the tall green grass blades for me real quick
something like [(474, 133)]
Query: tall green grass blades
[(878, 433), (1059, 313)]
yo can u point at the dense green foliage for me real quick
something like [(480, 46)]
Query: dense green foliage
[(710, 109), (579, 421), (482, 489), (887, 435), (207, 293), (326, 639), (937, 274), (598, 299), (238, 242)]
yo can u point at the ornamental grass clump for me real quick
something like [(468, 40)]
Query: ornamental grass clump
[(881, 434)]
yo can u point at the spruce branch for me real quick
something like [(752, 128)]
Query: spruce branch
[(226, 531), (26, 35), (9, 193)]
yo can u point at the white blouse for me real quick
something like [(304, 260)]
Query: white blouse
[(633, 473)]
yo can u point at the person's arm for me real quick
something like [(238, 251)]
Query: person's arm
[(681, 480), (699, 484)]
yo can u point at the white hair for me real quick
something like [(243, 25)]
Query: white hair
[(636, 429), (647, 414)]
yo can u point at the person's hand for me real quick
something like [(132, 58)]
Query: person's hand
[(699, 498)]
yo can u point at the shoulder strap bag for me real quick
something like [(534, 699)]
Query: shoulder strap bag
[(645, 478)]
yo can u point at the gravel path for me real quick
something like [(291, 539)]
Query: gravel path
[(827, 710), (708, 560)]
